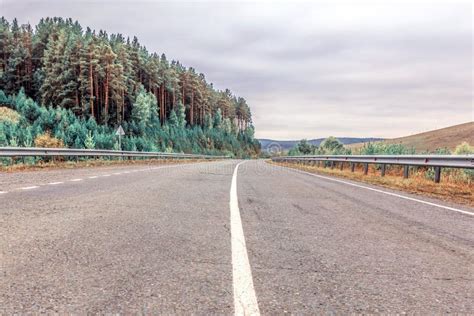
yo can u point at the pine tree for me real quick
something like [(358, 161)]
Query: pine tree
[(80, 77), (5, 38), (181, 115), (87, 64), (108, 60), (89, 143), (218, 119)]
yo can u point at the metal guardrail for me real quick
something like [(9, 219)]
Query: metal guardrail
[(435, 161), (65, 152)]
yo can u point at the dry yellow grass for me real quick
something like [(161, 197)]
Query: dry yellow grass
[(8, 115), (47, 141), (87, 164), (448, 137), (450, 189)]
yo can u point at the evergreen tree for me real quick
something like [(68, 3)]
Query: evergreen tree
[(89, 142), (61, 78)]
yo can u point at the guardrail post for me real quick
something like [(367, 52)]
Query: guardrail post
[(437, 174), (382, 173), (333, 163), (353, 167), (406, 171), (366, 168), (342, 165)]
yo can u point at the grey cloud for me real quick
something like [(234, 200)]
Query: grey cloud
[(311, 69)]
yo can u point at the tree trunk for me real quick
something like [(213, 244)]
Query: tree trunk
[(29, 63), (77, 101), (183, 93), (106, 91), (97, 96), (124, 104), (173, 100), (165, 95), (91, 80), (191, 110), (162, 103)]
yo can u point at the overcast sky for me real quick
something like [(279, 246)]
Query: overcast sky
[(307, 69)]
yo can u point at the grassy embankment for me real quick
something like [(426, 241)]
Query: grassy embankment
[(431, 141), (62, 164), (455, 186)]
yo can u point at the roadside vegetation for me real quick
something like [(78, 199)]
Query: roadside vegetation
[(63, 86), (24, 123), (457, 185), (454, 186), (28, 164), (446, 138)]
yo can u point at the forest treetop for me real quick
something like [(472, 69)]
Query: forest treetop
[(100, 76)]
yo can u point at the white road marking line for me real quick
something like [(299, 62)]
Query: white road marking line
[(30, 188), (91, 177), (384, 192), (55, 183), (117, 173), (245, 300)]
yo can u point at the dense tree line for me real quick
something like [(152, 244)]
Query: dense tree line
[(329, 146), (333, 146), (110, 80)]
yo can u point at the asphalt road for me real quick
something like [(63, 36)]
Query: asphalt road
[(150, 239)]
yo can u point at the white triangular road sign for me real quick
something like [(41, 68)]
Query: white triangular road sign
[(120, 131)]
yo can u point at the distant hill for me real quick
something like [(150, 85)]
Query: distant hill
[(448, 137), (288, 144)]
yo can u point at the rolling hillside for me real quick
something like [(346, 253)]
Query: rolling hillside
[(288, 144), (448, 137)]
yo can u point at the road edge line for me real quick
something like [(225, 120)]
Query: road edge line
[(380, 191), (245, 300)]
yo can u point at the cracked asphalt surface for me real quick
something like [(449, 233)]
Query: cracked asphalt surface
[(149, 239)]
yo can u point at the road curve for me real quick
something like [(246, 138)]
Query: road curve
[(320, 246), (148, 239)]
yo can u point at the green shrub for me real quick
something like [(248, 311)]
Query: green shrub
[(89, 142), (463, 149)]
